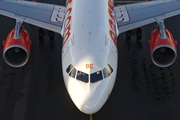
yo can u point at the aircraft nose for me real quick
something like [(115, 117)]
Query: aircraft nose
[(91, 105), (84, 96), (89, 109), (88, 98)]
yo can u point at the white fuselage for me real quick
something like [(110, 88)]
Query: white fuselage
[(88, 46)]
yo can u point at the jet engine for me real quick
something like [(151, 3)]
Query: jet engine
[(162, 47), (16, 51)]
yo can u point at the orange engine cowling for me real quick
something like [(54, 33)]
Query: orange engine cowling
[(16, 52), (163, 51)]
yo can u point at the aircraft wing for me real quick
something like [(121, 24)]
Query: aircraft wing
[(39, 14), (136, 15)]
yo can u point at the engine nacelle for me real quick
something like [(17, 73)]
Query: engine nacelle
[(16, 52), (163, 51)]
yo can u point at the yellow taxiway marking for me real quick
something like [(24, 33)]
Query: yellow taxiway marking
[(90, 117)]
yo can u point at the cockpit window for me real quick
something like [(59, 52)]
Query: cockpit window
[(109, 68), (107, 71), (96, 76), (82, 76), (73, 73), (69, 68)]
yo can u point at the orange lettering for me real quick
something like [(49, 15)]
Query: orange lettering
[(67, 22), (67, 34), (111, 14), (89, 66), (68, 2), (69, 11), (110, 5), (112, 25), (113, 36), (112, 31)]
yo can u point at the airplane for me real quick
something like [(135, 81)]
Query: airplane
[(89, 51)]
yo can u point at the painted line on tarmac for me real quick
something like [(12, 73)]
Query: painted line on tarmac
[(90, 117)]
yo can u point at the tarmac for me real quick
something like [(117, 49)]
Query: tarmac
[(142, 90)]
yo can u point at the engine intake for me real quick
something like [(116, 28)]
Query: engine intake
[(17, 51), (163, 51)]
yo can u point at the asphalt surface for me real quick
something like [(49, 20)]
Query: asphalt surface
[(37, 91)]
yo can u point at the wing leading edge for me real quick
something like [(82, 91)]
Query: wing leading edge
[(136, 15), (39, 14)]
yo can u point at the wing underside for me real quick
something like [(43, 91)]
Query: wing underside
[(39, 14), (136, 15), (127, 16)]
